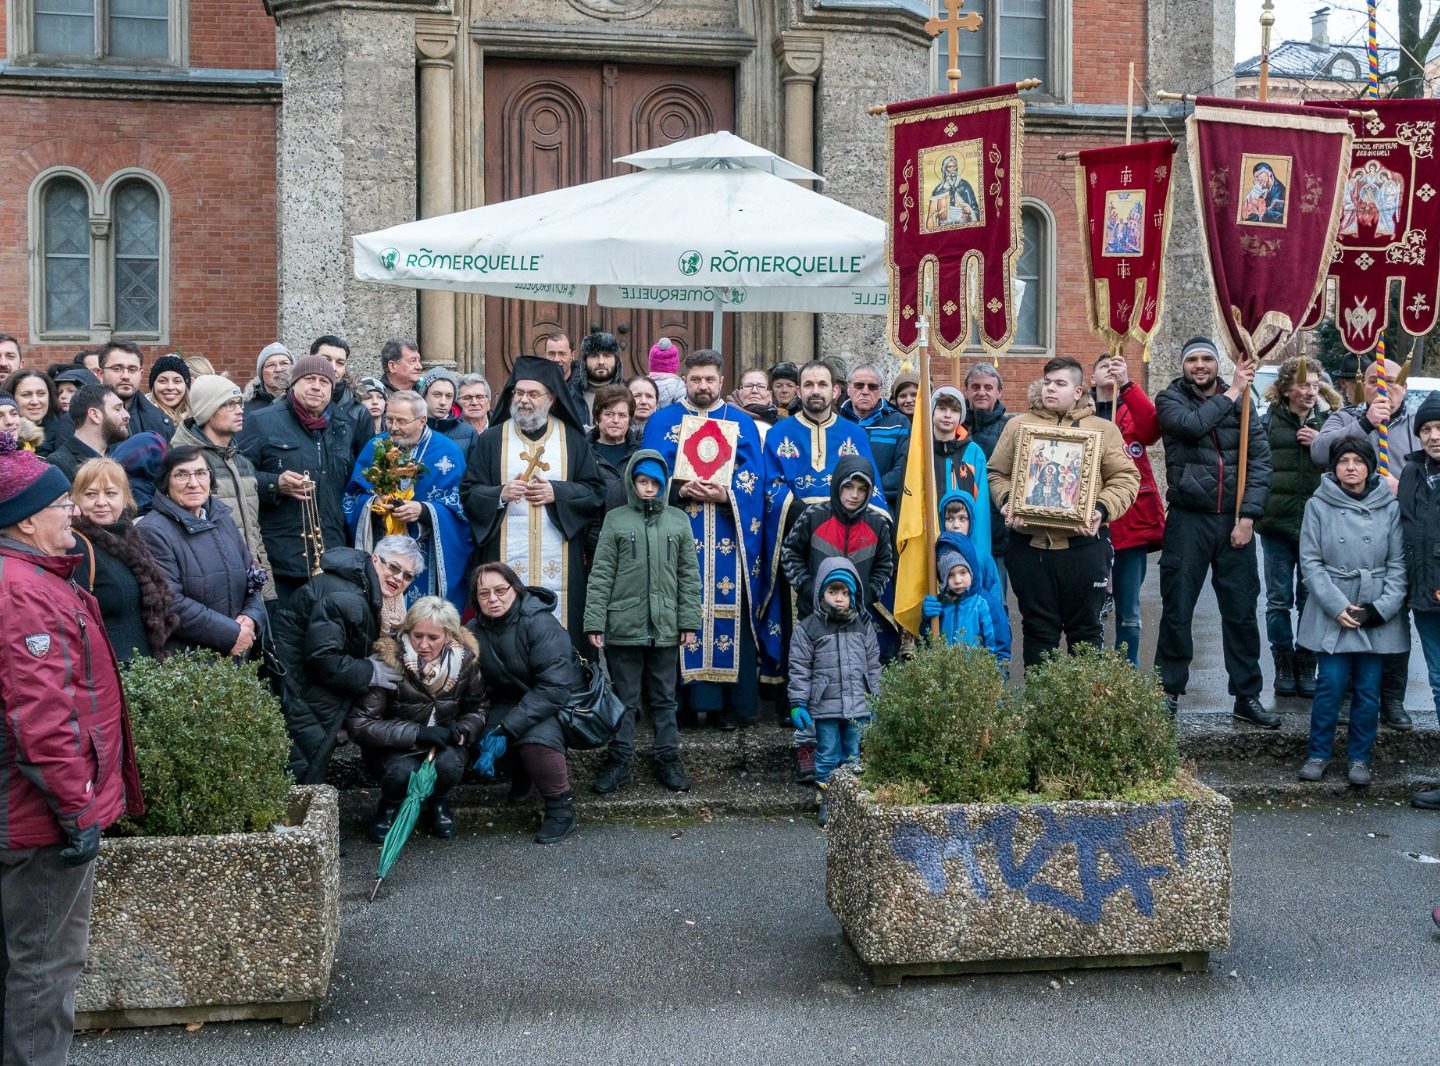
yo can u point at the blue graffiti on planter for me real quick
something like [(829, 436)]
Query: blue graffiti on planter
[(1091, 836)]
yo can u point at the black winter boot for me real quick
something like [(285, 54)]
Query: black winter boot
[(615, 774), (384, 818), (1284, 671), (559, 820), (442, 820), (1304, 674), (1394, 678), (1250, 709), (672, 775)]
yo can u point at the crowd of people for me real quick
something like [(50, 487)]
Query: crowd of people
[(419, 565)]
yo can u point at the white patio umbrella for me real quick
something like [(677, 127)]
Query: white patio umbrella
[(707, 224)]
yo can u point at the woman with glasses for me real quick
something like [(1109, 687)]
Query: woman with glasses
[(754, 396), (527, 659), (115, 566), (213, 578), (324, 635), (437, 706)]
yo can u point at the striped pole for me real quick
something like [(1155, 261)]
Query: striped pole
[(1382, 431), (1372, 51)]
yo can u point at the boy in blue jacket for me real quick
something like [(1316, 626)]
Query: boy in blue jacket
[(957, 513), (965, 614)]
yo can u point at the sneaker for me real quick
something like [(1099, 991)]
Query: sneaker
[(612, 776), (672, 775), (1427, 799), (1250, 709), (805, 764), (1359, 773), (1314, 769)]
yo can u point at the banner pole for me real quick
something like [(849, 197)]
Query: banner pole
[(927, 435), (1129, 101)]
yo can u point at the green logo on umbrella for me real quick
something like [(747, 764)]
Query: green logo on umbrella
[(388, 258), (690, 263)]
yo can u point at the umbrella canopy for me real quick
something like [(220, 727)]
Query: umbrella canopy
[(709, 224), (422, 783)]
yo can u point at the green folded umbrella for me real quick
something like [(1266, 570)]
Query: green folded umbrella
[(422, 783)]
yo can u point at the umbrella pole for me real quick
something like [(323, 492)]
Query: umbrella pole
[(717, 328)]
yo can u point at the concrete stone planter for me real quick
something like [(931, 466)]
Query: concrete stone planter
[(216, 928), (992, 887)]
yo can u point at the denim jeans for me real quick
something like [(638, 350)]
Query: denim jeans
[(1427, 624), (1127, 574), (837, 740), (1333, 678), (1284, 591)]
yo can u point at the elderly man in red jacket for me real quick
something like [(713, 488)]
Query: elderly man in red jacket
[(68, 767), (1140, 530)]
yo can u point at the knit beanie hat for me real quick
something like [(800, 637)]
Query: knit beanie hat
[(652, 468), (948, 559), (6, 400), (1349, 446), (369, 385), (1429, 411), (28, 484), (1199, 344), (169, 364), (269, 352), (846, 578), (208, 394), (905, 377), (439, 373), (312, 364), (664, 357), (786, 371)]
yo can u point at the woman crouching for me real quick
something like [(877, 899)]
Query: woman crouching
[(439, 703)]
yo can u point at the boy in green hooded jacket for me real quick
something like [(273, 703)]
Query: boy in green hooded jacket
[(643, 602)]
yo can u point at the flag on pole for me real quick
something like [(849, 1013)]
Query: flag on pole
[(915, 545)]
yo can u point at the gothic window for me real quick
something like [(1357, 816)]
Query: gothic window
[(99, 259), (125, 31), (66, 229), (1019, 39)]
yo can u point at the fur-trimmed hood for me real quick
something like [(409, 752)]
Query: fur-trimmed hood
[(387, 649)]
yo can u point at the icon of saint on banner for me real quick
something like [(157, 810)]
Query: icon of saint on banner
[(1124, 222), (1265, 202), (953, 183)]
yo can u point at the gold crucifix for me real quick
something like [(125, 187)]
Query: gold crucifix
[(954, 22)]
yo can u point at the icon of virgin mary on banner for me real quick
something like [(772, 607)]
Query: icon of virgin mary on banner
[(1268, 182), (1390, 207), (1124, 193), (954, 183)]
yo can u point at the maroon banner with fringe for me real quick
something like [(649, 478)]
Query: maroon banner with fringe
[(1124, 197), (1268, 180), (954, 184), (1390, 206)]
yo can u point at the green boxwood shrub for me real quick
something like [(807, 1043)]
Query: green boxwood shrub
[(1098, 728), (942, 732), (212, 747)]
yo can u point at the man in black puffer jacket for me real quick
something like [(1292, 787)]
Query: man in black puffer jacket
[(1199, 419), (1420, 526), (323, 637)]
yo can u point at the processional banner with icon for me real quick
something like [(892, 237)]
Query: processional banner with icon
[(1124, 195), (953, 178), (1389, 213), (1268, 181)]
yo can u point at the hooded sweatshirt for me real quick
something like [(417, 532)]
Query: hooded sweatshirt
[(827, 530), (987, 576), (834, 663), (965, 618)]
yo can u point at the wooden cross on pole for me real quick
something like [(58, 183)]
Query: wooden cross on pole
[(953, 23)]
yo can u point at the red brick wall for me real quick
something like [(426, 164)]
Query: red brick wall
[(1107, 37), (231, 33), (217, 163)]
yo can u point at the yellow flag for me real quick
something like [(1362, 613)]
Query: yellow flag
[(915, 568)]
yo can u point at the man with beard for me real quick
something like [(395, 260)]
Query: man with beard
[(432, 516), (100, 420), (533, 487), (120, 366), (1200, 423), (600, 353), (719, 668)]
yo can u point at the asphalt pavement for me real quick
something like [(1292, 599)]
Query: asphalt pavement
[(711, 943)]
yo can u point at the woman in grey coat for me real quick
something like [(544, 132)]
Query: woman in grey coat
[(1352, 560)]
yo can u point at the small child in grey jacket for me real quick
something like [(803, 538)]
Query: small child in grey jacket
[(834, 670)]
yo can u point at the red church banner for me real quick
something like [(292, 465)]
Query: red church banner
[(1268, 180), (1124, 197), (1389, 209), (954, 183)]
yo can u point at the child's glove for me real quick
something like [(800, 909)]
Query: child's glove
[(930, 607), (492, 747), (801, 717)]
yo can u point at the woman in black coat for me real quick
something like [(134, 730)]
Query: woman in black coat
[(116, 567), (528, 663), (437, 707), (323, 638), (211, 573)]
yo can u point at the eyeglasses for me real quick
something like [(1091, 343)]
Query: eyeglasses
[(184, 476), (400, 423), (492, 594), (396, 570), (66, 504), (235, 403), (865, 386), (756, 385)]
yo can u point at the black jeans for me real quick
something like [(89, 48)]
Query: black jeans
[(652, 674), (1060, 592), (393, 769), (1196, 545)]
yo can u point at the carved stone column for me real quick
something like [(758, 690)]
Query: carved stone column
[(102, 308), (799, 56), (435, 39)]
